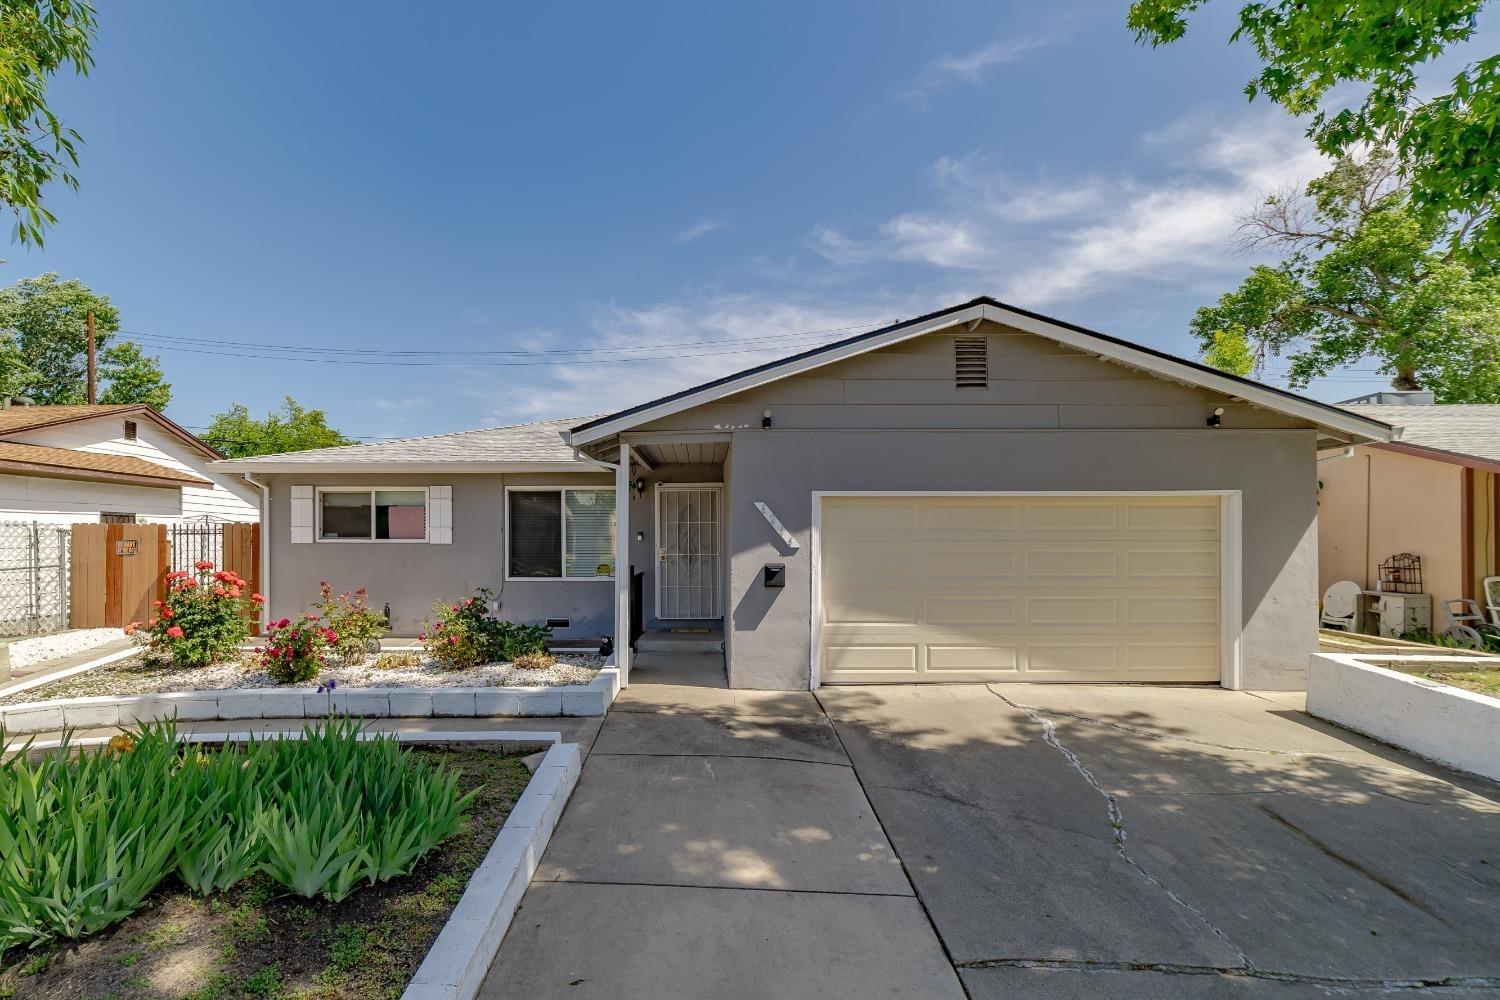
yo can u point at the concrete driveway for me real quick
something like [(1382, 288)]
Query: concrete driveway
[(1005, 841)]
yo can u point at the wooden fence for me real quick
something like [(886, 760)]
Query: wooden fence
[(119, 569)]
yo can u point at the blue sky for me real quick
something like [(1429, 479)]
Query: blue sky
[(483, 177)]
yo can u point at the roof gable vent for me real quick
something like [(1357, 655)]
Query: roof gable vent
[(971, 363)]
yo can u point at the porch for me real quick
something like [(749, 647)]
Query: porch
[(671, 519)]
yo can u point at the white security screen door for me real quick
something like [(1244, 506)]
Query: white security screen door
[(689, 568)]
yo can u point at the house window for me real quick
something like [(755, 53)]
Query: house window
[(112, 517), (371, 515), (130, 433), (560, 534)]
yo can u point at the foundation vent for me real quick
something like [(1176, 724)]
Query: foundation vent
[(971, 363)]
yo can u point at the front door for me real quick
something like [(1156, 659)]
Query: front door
[(690, 566)]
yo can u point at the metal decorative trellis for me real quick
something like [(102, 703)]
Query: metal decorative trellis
[(33, 577), (1401, 574)]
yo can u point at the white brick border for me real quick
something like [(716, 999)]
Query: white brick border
[(1438, 721), (593, 698), (460, 958)]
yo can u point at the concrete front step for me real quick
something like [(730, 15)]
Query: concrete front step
[(680, 642)]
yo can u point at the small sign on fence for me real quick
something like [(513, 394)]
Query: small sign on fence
[(128, 547)]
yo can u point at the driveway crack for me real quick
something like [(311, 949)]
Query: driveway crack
[(1117, 823), (1484, 983)]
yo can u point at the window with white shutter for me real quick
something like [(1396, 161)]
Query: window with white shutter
[(302, 515)]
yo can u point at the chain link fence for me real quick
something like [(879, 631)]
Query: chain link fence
[(33, 577)]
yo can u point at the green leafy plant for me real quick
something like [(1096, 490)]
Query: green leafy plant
[(86, 838), (358, 626), (203, 618), (296, 651), (466, 634)]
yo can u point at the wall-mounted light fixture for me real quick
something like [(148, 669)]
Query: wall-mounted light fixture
[(765, 420), (638, 487), (1217, 417), (640, 536)]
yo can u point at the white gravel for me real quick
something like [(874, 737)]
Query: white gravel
[(135, 676), (25, 652)]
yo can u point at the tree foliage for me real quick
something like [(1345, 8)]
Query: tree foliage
[(1365, 274), (1312, 51), (44, 346), (38, 39), (292, 428)]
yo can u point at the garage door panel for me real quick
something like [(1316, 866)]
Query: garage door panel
[(1044, 589)]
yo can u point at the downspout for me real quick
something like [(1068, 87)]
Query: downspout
[(265, 547)]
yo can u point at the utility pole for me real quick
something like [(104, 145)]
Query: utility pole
[(93, 385)]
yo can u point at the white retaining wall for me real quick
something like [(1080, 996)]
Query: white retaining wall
[(593, 698), (1444, 723)]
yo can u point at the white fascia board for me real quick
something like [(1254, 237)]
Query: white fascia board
[(355, 468), (752, 380), (1348, 423)]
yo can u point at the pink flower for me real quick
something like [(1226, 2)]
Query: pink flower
[(258, 598), (283, 623), (422, 636), (452, 640), (331, 636), (175, 631)]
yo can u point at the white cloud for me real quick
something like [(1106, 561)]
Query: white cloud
[(970, 67), (700, 228), (1039, 241)]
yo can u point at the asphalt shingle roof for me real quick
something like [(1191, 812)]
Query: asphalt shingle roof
[(66, 461), (1470, 429), (540, 441)]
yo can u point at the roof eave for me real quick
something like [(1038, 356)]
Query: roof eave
[(43, 471), (1322, 415), (354, 468)]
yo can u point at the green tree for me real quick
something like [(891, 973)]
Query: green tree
[(292, 428), (38, 39), (1364, 274), (44, 321), (1354, 67)]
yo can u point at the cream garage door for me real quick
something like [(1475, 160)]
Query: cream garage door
[(969, 588)]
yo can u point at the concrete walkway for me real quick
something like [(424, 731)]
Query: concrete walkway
[(718, 845), (46, 671), (1062, 842)]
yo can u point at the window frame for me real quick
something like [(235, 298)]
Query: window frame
[(562, 513), (318, 492)]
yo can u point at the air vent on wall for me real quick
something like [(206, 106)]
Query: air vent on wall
[(971, 363)]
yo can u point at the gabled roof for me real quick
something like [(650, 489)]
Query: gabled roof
[(17, 418), (1455, 430), (69, 463), (1345, 422), (533, 447)]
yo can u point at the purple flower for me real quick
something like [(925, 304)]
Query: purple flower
[(328, 685)]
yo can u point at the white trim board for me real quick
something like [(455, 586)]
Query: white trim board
[(1232, 626), (1100, 346)]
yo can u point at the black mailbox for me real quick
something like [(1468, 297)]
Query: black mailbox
[(775, 574)]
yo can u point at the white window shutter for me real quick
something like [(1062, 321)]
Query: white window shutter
[(302, 514), (440, 515)]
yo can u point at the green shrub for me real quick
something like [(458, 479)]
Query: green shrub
[(466, 634), (203, 618), (358, 627), (85, 839), (296, 651)]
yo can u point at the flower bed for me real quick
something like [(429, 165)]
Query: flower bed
[(137, 675), (258, 940)]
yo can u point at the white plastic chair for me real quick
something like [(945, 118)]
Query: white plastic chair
[(1341, 605), (1466, 624), (1492, 598)]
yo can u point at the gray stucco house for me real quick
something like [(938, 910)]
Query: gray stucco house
[(981, 493)]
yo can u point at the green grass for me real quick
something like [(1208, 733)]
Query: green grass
[(1478, 681)]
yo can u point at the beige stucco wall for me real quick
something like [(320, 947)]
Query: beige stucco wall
[(1379, 503)]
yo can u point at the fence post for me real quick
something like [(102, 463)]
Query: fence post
[(36, 577)]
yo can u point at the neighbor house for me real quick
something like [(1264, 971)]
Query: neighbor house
[(115, 463), (1434, 492), (981, 493)]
